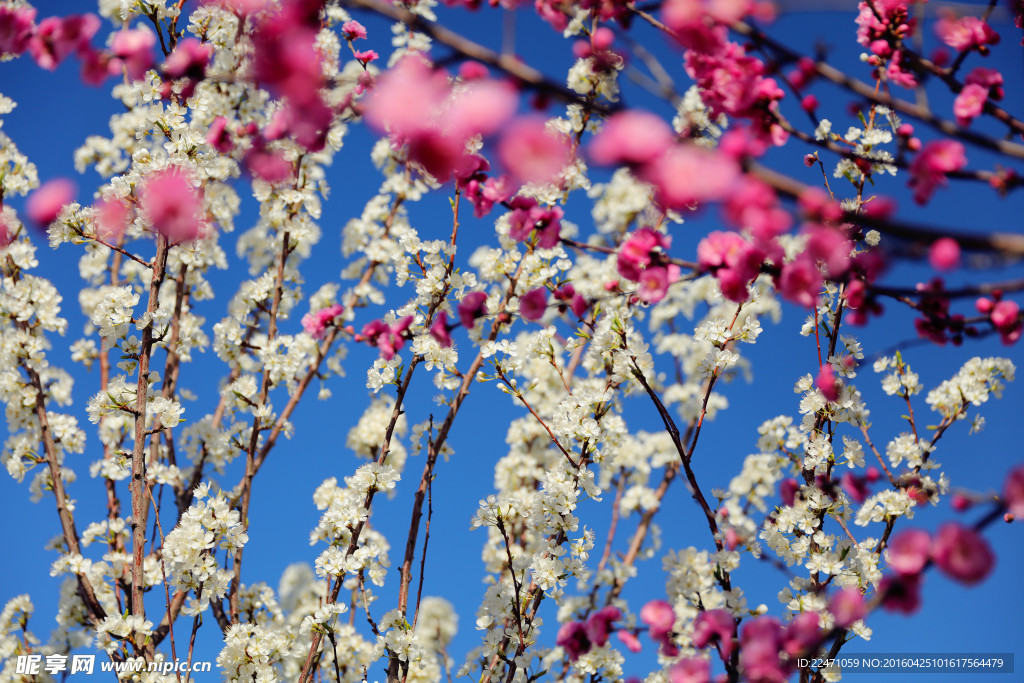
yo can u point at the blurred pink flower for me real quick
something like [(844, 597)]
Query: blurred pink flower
[(532, 153), (962, 553), (44, 204), (172, 204)]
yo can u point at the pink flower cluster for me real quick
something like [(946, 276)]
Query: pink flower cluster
[(1004, 315), (288, 63), (577, 638), (389, 339), (1013, 492), (882, 26), (682, 175), (965, 33), (642, 258), (528, 219), (929, 168), (315, 324), (958, 551), (980, 85), (173, 205), (418, 108)]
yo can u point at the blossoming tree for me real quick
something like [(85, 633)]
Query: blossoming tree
[(577, 302)]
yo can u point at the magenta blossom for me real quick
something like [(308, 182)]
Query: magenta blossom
[(660, 619), (389, 339), (827, 382), (599, 624), (901, 593), (962, 553), (572, 637), (533, 304), (44, 205), (715, 626), (760, 645), (218, 136), (630, 640), (16, 26), (315, 324), (944, 254), (133, 49), (908, 551), (472, 306), (56, 38), (353, 30), (690, 670), (803, 634), (1013, 492), (929, 168), (439, 330)]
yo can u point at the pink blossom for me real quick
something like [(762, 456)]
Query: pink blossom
[(484, 195), (218, 136), (660, 618), (631, 137), (630, 640), (389, 339), (944, 254), (286, 59), (532, 153), (44, 205), (188, 60), (828, 384), (800, 281), (112, 218), (760, 644), (1006, 319), (16, 25), (134, 51), (572, 637), (472, 306), (353, 30), (989, 78), (685, 175), (802, 635), (788, 489), (6, 233), (962, 553), (316, 323), (172, 205), (965, 33), (733, 260), (533, 304), (901, 593), (365, 56), (439, 330), (406, 99), (855, 487), (969, 103), (529, 219), (1013, 492), (655, 280), (715, 626), (753, 206), (690, 670), (929, 168), (55, 38), (908, 551), (831, 247), (638, 251), (269, 165), (847, 606), (481, 108), (599, 624), (472, 70)]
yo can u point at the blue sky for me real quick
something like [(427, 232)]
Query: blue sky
[(56, 113)]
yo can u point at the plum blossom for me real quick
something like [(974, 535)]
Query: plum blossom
[(472, 306), (315, 324), (908, 551), (44, 205), (847, 606), (944, 254), (172, 205), (715, 626), (929, 168), (533, 304), (962, 553), (389, 339), (1013, 492), (531, 152)]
